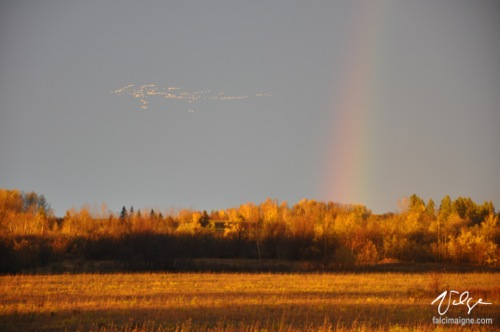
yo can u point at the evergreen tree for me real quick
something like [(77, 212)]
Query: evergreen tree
[(465, 208), (123, 213), (430, 208), (416, 204), (445, 208), (204, 219)]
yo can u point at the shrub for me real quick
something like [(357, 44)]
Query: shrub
[(368, 254)]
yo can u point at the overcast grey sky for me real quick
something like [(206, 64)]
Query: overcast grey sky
[(423, 76)]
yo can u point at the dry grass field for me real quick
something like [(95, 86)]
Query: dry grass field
[(234, 302)]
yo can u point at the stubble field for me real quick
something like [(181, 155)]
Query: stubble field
[(248, 302)]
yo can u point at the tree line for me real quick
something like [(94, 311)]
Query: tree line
[(329, 235)]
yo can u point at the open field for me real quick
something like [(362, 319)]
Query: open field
[(226, 302)]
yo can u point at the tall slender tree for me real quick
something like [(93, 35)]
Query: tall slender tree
[(123, 213)]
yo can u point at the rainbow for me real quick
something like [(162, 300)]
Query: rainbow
[(347, 158)]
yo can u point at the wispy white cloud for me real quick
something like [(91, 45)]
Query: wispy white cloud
[(146, 91)]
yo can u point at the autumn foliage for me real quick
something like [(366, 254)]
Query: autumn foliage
[(326, 235)]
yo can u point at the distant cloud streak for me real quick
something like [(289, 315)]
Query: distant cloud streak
[(146, 91)]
